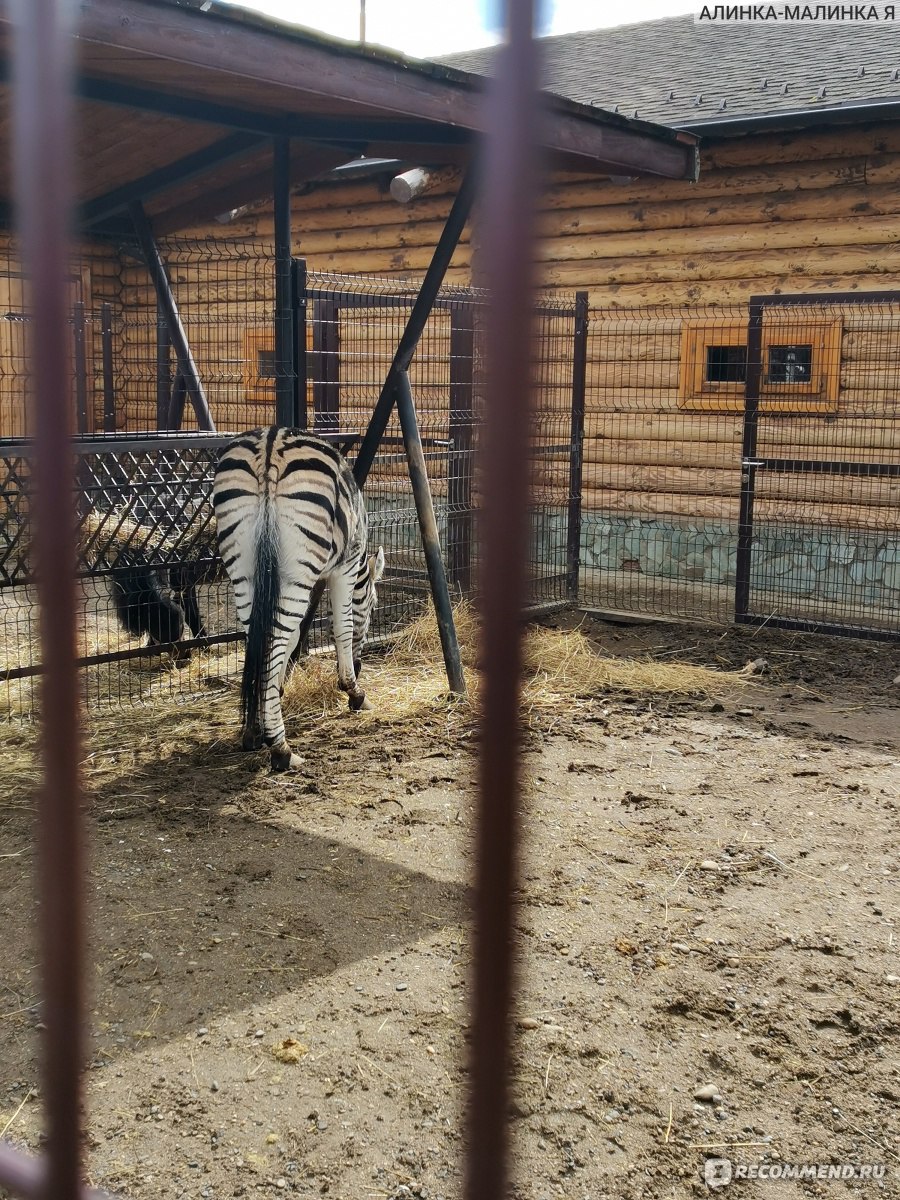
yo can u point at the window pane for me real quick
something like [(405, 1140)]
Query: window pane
[(726, 364), (265, 364), (789, 364)]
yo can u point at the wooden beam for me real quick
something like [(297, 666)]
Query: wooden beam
[(286, 62), (161, 180), (308, 161)]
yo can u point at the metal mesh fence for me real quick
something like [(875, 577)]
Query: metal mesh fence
[(148, 564), (725, 480)]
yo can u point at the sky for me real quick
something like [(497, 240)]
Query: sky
[(424, 28)]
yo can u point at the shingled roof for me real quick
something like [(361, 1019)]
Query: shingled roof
[(679, 73)]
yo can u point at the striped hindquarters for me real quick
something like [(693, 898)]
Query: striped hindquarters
[(288, 513)]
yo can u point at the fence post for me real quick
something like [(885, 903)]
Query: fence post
[(284, 312), (109, 387), (576, 445), (431, 543), (459, 456), (298, 304), (748, 455), (326, 387), (81, 400), (163, 369)]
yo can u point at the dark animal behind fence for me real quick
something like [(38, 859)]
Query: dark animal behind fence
[(143, 608)]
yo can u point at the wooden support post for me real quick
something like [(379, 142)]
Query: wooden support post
[(166, 300), (80, 364), (109, 387), (434, 559), (459, 458), (284, 334), (576, 444), (163, 369)]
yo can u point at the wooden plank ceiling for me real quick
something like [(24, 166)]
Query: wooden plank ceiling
[(180, 107)]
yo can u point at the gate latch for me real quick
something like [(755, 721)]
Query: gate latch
[(752, 462)]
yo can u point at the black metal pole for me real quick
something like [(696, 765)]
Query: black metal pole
[(175, 412), (166, 300), (576, 444), (284, 335), (459, 456), (163, 368), (109, 385), (434, 277), (298, 306), (434, 560), (81, 391), (748, 461)]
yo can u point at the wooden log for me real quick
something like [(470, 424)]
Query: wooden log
[(699, 508), (799, 145), (696, 427), (696, 247), (756, 209), (669, 297), (615, 452), (707, 481), (808, 489), (658, 504)]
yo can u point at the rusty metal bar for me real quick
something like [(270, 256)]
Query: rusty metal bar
[(43, 138), (434, 560), (508, 230)]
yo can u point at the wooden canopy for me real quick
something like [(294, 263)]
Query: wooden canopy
[(179, 106)]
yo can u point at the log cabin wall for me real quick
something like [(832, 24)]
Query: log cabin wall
[(809, 211)]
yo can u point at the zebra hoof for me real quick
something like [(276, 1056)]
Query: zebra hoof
[(252, 739), (359, 703), (283, 758)]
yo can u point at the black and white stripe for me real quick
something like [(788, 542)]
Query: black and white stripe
[(289, 513)]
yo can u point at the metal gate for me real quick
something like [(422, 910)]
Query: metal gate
[(819, 528)]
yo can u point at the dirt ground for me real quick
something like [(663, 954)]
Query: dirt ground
[(708, 901)]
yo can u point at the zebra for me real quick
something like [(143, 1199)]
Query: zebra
[(289, 514)]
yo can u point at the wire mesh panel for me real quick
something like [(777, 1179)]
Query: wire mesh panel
[(149, 575), (820, 545), (662, 461)]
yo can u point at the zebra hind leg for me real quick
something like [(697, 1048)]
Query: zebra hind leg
[(340, 588)]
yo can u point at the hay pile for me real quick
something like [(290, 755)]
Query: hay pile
[(562, 668)]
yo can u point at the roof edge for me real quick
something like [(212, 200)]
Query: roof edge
[(800, 118)]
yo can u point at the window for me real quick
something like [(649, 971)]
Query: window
[(800, 365), (259, 366), (259, 363)]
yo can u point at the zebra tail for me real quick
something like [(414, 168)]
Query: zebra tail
[(266, 591)]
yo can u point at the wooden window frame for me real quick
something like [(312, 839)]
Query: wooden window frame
[(258, 389), (818, 395)]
